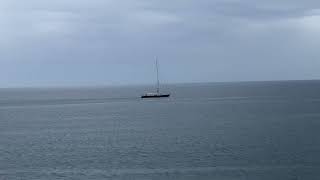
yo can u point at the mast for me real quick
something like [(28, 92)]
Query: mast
[(158, 83)]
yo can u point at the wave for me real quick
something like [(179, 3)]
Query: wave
[(222, 170)]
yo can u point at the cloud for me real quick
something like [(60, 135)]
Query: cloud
[(154, 18), (223, 40)]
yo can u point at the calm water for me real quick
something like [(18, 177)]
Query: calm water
[(258, 130)]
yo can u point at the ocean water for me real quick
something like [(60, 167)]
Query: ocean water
[(247, 130)]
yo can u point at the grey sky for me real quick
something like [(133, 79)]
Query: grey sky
[(107, 42)]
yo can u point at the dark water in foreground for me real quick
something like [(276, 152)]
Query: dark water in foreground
[(257, 130)]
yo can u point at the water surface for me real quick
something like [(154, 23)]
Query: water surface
[(247, 130)]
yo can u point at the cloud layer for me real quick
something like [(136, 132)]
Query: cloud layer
[(96, 42)]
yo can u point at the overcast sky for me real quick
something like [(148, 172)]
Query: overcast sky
[(114, 42)]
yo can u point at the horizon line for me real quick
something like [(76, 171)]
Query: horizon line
[(147, 84)]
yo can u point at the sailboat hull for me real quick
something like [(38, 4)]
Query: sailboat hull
[(155, 96)]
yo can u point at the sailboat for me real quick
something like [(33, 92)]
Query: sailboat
[(156, 94)]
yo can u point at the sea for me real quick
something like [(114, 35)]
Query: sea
[(204, 131)]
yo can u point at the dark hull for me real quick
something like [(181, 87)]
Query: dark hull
[(156, 96)]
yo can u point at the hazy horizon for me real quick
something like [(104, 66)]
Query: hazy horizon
[(110, 43), (163, 85)]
